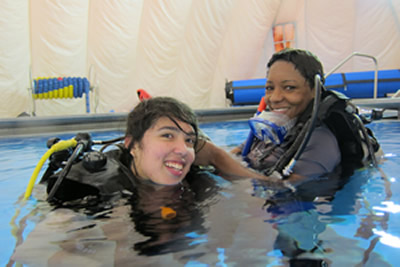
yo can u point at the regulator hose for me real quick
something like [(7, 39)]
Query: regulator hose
[(77, 151), (61, 145), (288, 169)]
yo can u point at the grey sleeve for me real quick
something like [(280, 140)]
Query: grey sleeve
[(321, 155)]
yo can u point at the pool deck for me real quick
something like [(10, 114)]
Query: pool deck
[(28, 126), (392, 103)]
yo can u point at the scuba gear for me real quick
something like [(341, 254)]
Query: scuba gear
[(261, 107), (94, 161), (340, 116), (357, 143), (60, 151), (115, 176), (167, 213), (310, 127), (271, 126), (84, 143), (96, 175), (59, 146)]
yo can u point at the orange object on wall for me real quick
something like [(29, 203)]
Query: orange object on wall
[(284, 36)]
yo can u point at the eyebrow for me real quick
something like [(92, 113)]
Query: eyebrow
[(284, 81), (176, 129)]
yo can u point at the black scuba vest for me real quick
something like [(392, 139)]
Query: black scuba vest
[(342, 118), (105, 179), (113, 177)]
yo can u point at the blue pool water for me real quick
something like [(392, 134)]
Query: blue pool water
[(361, 225)]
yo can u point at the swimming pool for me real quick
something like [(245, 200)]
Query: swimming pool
[(234, 227)]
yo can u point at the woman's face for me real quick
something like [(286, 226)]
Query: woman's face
[(165, 153), (287, 91)]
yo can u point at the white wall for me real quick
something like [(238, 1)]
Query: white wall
[(181, 48)]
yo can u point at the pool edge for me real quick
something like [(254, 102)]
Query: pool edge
[(29, 126)]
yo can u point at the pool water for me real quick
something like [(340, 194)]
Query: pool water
[(233, 226)]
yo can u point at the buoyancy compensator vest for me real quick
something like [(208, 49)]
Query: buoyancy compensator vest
[(95, 174), (357, 143)]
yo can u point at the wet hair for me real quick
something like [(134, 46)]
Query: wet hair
[(304, 61), (147, 112)]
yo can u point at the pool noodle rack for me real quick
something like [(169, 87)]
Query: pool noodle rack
[(44, 88)]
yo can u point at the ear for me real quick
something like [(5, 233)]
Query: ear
[(127, 141)]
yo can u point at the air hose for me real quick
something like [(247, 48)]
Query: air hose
[(77, 151), (62, 145), (288, 169)]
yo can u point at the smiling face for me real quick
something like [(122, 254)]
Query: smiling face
[(165, 153), (286, 90)]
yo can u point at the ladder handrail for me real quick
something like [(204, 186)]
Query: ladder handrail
[(362, 55)]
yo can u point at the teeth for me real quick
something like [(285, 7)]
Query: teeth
[(174, 165)]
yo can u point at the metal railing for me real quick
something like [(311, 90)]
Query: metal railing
[(361, 55)]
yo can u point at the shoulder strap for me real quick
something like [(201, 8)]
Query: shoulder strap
[(357, 143)]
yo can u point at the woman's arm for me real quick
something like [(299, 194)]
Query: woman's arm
[(232, 169), (210, 154)]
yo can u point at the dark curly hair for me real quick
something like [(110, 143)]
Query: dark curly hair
[(304, 61)]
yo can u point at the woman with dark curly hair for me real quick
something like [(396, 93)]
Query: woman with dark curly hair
[(306, 131)]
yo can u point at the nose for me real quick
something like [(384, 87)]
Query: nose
[(275, 95), (181, 147)]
